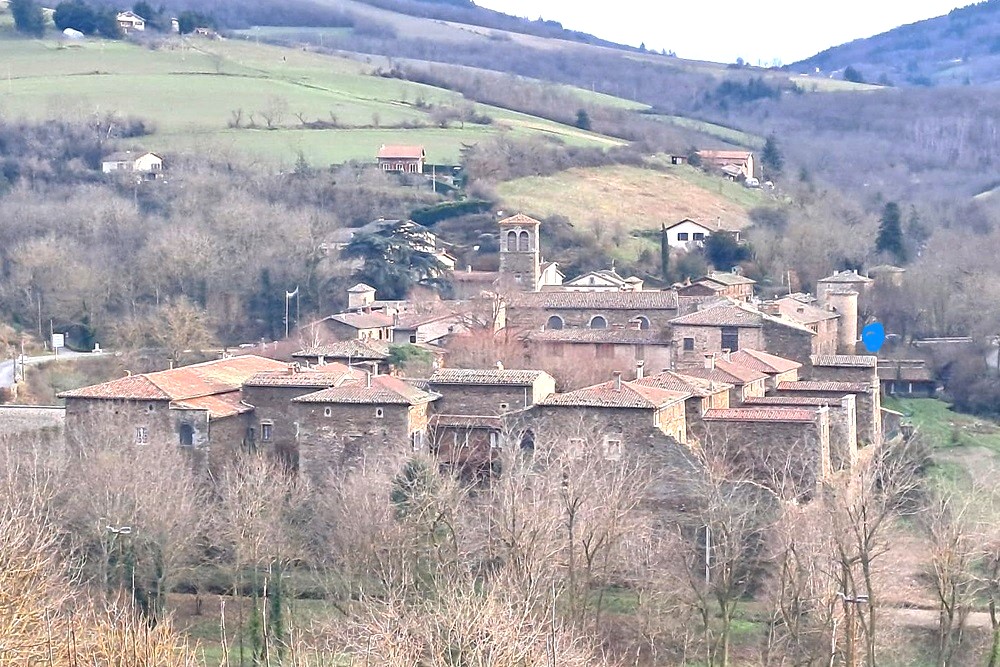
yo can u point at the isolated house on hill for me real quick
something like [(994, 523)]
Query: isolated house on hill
[(687, 233), (129, 21), (150, 165), (401, 158), (740, 164)]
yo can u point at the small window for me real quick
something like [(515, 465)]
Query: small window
[(504, 406), (413, 338), (517, 277), (730, 338), (417, 440), (523, 243), (688, 344), (698, 236), (598, 322), (327, 411), (554, 322), (511, 241), (186, 435), (150, 407), (141, 435), (643, 322), (656, 418), (682, 236), (612, 449), (265, 431), (494, 439), (576, 443), (379, 413)]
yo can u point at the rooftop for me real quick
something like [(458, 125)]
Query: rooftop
[(674, 381), (804, 313), (812, 385), (689, 220), (363, 320), (725, 314), (760, 415), (616, 300), (347, 349), (844, 360), (726, 371), (486, 376), (520, 219), (617, 394), (845, 277), (610, 336), (219, 376), (763, 361), (816, 401), (361, 288), (400, 151), (378, 390), (326, 375), (217, 406)]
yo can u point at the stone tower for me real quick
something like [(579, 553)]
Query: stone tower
[(845, 302), (520, 261)]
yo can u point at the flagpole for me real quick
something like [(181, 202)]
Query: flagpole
[(286, 315)]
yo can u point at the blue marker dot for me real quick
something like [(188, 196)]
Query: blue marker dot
[(873, 336)]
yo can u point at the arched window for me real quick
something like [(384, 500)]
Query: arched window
[(186, 435), (511, 241), (643, 322), (598, 322), (554, 322), (523, 242)]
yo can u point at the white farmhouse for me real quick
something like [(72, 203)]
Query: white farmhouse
[(131, 22), (686, 232), (149, 165)]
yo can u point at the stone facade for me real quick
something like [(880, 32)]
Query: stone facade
[(868, 400), (692, 343), (597, 310), (488, 392), (520, 255), (843, 424)]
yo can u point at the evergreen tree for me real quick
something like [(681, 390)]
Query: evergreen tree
[(664, 253), (28, 17), (583, 119), (890, 233), (395, 259), (771, 157)]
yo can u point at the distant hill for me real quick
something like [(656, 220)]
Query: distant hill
[(961, 48)]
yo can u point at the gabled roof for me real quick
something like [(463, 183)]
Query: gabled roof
[(326, 375), (520, 219), (760, 415), (348, 349), (611, 300), (361, 288), (218, 406), (844, 360), (129, 14), (609, 276), (845, 277), (728, 278), (722, 315), (626, 395), (684, 383), (205, 379), (474, 276), (725, 154), (804, 313), (845, 387), (400, 151), (689, 220), (382, 390), (763, 362), (363, 320), (726, 371), (127, 156), (486, 376)]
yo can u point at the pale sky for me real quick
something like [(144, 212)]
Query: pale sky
[(722, 30)]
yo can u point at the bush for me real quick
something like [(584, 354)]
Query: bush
[(431, 215), (28, 17)]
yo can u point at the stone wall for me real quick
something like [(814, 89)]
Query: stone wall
[(525, 319), (791, 342), (25, 419), (709, 339), (841, 374), (475, 399)]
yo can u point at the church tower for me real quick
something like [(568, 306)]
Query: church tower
[(520, 260)]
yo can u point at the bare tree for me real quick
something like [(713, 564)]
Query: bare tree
[(274, 111)]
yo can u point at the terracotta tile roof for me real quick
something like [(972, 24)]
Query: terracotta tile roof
[(204, 379), (384, 390), (804, 313), (218, 406), (486, 376), (817, 401), (763, 362), (348, 349), (722, 315), (728, 278), (685, 383), (760, 415), (363, 320), (905, 370), (605, 395), (615, 300), (520, 219), (399, 151), (466, 421), (845, 277), (612, 336), (361, 288), (726, 371), (725, 155), (845, 387), (327, 375), (707, 284), (844, 360)]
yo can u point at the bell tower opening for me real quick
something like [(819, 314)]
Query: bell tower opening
[(519, 253)]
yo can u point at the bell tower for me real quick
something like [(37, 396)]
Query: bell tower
[(520, 260)]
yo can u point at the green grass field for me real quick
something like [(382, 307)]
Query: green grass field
[(722, 132), (191, 87)]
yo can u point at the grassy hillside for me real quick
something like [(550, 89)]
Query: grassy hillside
[(617, 204), (190, 89)]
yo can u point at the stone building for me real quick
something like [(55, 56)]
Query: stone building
[(371, 355), (705, 395), (594, 310), (380, 420), (718, 368), (786, 449), (616, 346), (520, 254), (730, 326), (488, 392), (198, 407), (846, 281), (734, 285), (604, 280), (777, 369), (843, 368), (354, 326), (824, 322), (467, 443), (625, 412), (843, 423), (911, 378), (869, 404)]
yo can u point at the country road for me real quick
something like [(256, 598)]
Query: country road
[(7, 367)]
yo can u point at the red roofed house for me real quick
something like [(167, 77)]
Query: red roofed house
[(740, 164), (777, 369), (745, 382), (198, 407), (403, 159)]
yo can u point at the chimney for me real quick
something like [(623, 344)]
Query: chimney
[(368, 380), (640, 371), (321, 360), (727, 354), (618, 380), (710, 361), (170, 363), (499, 365), (128, 373), (468, 268)]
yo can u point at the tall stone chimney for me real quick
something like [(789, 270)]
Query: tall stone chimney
[(710, 361), (640, 370), (618, 380)]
